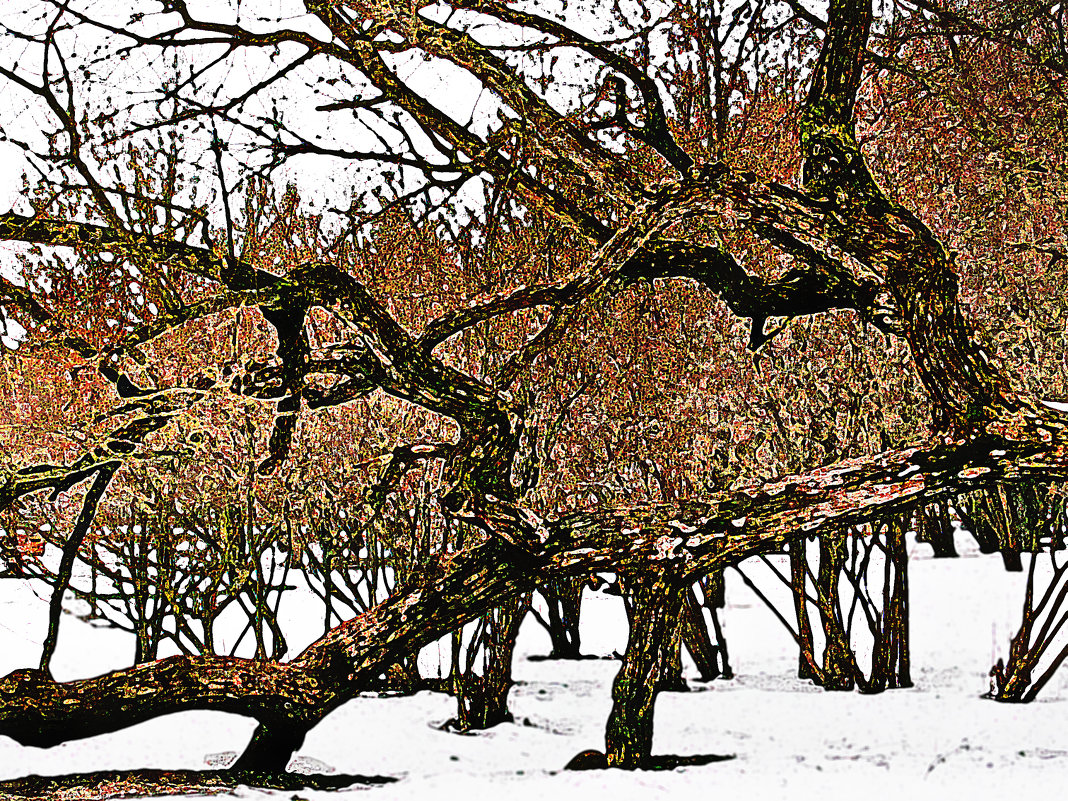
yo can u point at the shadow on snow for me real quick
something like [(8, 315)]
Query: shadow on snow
[(119, 783)]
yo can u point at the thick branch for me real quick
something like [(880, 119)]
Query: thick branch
[(901, 256), (177, 255), (297, 693), (836, 78), (966, 389), (687, 540), (804, 290)]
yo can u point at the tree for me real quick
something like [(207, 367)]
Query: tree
[(600, 194)]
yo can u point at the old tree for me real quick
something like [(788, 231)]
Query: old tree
[(640, 290)]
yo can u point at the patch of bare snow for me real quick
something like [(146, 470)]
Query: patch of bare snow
[(937, 740)]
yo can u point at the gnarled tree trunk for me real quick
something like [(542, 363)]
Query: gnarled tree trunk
[(657, 606), (482, 694)]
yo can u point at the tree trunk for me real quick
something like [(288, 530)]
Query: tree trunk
[(671, 679), (936, 529), (1029, 668), (271, 747), (564, 598), (721, 646), (807, 666), (839, 665), (657, 608), (482, 699), (695, 637), (897, 611)]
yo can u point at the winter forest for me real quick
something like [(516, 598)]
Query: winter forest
[(385, 354)]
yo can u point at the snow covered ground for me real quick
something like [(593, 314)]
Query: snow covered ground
[(789, 739)]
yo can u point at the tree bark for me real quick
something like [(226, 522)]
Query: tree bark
[(839, 663), (807, 666), (658, 603), (671, 679), (564, 599), (695, 637), (890, 662), (482, 699)]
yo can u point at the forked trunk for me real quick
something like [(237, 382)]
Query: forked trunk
[(482, 698), (839, 663), (564, 599)]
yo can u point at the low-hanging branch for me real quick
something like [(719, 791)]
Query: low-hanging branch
[(688, 541)]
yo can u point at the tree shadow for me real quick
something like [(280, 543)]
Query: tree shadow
[(595, 760), (570, 658), (106, 784), (672, 761)]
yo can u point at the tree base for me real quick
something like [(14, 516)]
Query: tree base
[(589, 759), (271, 747)]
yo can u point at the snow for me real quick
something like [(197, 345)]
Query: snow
[(789, 739)]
